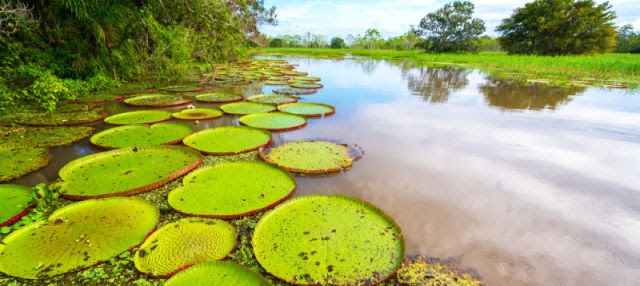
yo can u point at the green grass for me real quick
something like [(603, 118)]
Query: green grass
[(618, 69)]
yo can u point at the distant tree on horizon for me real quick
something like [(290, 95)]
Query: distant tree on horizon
[(452, 28), (337, 43)]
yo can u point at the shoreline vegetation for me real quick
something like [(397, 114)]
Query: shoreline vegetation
[(608, 70)]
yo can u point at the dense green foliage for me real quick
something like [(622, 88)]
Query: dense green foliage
[(628, 41), (559, 27), (337, 43), (452, 28)]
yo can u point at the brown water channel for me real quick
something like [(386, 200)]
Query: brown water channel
[(529, 185)]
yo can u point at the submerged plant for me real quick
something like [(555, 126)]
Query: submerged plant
[(142, 135), (217, 273)]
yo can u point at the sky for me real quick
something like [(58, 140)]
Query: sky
[(335, 18)]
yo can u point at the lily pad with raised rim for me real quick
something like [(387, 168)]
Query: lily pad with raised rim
[(308, 109), (157, 100), (163, 133), (244, 108), (44, 136), (198, 114), (274, 121), (139, 117), (77, 236), (228, 140), (125, 171), (217, 274), (295, 91), (19, 161), (336, 240), (182, 88), (183, 243), (273, 98), (219, 97), (311, 157), (229, 190), (15, 202), (305, 85), (61, 118)]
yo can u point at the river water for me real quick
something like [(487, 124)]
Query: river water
[(528, 185)]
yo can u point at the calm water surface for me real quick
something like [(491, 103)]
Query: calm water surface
[(527, 185)]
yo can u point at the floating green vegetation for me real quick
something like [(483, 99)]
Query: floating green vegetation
[(313, 157), (296, 73), (77, 236), (276, 82), (15, 202), (182, 88), (142, 135), (139, 117), (219, 97), (230, 190), (307, 79), (43, 136), (336, 240), (184, 243), (157, 100), (228, 140), (273, 98), (19, 161), (74, 106), (308, 109), (243, 108), (274, 121), (60, 118), (217, 274), (197, 114), (295, 91), (431, 271), (305, 85), (125, 171)]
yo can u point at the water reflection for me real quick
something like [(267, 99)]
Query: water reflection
[(514, 96), (436, 84)]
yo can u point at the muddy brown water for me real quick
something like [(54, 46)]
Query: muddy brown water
[(528, 185)]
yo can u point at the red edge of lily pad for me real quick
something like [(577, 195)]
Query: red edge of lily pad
[(17, 217)]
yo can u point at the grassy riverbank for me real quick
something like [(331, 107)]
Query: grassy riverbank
[(612, 69)]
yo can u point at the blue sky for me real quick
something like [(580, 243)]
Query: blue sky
[(340, 18)]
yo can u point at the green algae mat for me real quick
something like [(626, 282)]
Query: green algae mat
[(219, 97), (43, 136), (308, 109), (337, 240), (141, 135), (243, 108), (77, 236), (312, 157), (157, 100), (61, 118), (17, 162), (138, 117), (272, 98), (198, 114), (184, 243), (15, 202), (125, 171), (228, 140), (274, 121), (230, 190), (223, 273)]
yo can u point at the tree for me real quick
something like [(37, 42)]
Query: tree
[(371, 38), (337, 43), (628, 40), (452, 28), (559, 27)]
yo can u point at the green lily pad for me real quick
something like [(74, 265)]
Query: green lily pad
[(44, 136), (307, 79), (337, 240), (229, 190), (163, 133), (228, 140), (274, 121), (272, 98), (295, 91), (15, 202), (305, 85), (74, 106), (182, 88), (308, 109), (17, 162), (311, 157), (157, 100), (139, 117), (183, 243), (217, 274), (198, 114), (296, 73), (276, 82), (125, 171), (77, 236), (61, 118), (219, 97), (243, 108)]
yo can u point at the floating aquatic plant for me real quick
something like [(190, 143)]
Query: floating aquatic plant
[(233, 189), (305, 85), (432, 271), (217, 274), (274, 121), (77, 236), (295, 91), (74, 106), (157, 100), (125, 171), (308, 109), (139, 117), (183, 243), (313, 157), (19, 161), (15, 202), (44, 136), (272, 98), (296, 73), (243, 108), (276, 82), (228, 140), (198, 114), (219, 97), (61, 118), (141, 135), (334, 239), (182, 88)]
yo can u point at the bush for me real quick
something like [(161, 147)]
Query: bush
[(46, 91)]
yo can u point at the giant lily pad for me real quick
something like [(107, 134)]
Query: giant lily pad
[(295, 91), (15, 201), (272, 98), (77, 236), (243, 108), (334, 240), (197, 114), (228, 140), (230, 190), (219, 97), (125, 171), (141, 135), (139, 117), (274, 121), (61, 118), (305, 85), (313, 157), (17, 161), (184, 243), (44, 136), (217, 274), (182, 88), (157, 100), (308, 109)]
